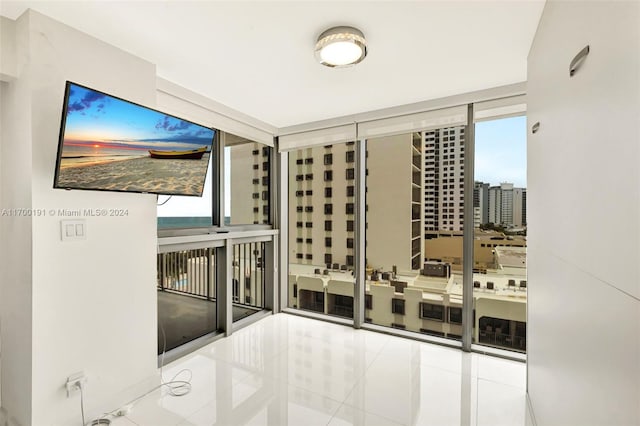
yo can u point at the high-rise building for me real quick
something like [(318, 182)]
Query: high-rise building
[(507, 205), (395, 202), (519, 207), (415, 190), (480, 203), (495, 205), (249, 184), (444, 180), (322, 204)]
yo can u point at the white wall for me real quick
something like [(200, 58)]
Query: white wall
[(15, 243), (584, 244), (7, 49), (66, 307), (7, 60)]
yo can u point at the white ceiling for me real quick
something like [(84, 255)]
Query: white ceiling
[(257, 57)]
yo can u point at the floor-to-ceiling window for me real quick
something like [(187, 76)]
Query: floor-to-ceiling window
[(238, 190), (186, 296), (247, 181), (414, 223), (247, 202), (321, 230), (500, 242), (186, 278), (425, 257)]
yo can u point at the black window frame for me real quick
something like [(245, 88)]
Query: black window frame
[(398, 306), (431, 318), (350, 157), (450, 309), (350, 174)]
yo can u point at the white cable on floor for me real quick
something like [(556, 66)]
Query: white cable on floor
[(82, 402), (176, 387)]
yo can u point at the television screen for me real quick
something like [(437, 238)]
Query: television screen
[(109, 144)]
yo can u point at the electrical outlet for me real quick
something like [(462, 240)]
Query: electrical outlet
[(73, 381), (123, 411)]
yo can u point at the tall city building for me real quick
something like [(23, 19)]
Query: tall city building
[(495, 204), (519, 207), (507, 205), (249, 181), (443, 180), (395, 219), (415, 189), (322, 204), (480, 203)]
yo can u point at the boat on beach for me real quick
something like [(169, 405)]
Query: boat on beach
[(192, 154)]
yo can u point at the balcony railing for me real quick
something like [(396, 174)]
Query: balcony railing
[(208, 282), (249, 274), (190, 272), (493, 338)]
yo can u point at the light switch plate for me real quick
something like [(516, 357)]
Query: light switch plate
[(73, 230)]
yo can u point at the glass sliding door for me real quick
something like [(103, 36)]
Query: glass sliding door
[(500, 243), (187, 307), (248, 280), (186, 278), (414, 222), (321, 229)]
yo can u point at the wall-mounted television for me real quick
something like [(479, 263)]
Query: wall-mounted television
[(109, 144)]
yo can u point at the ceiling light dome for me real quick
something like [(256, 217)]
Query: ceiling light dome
[(341, 47)]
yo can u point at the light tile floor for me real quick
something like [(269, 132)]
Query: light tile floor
[(289, 370)]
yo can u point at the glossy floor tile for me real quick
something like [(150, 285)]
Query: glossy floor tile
[(289, 370)]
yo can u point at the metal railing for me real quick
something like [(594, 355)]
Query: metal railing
[(493, 338), (231, 273), (189, 272), (341, 311), (249, 273)]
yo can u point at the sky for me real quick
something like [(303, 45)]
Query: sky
[(100, 121), (501, 151)]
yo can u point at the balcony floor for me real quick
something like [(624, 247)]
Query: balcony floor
[(186, 318)]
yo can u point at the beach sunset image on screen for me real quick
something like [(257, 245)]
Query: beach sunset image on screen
[(111, 144)]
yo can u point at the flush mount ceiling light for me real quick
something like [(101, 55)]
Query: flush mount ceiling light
[(341, 47)]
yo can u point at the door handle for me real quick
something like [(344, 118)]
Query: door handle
[(535, 127), (578, 60)]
